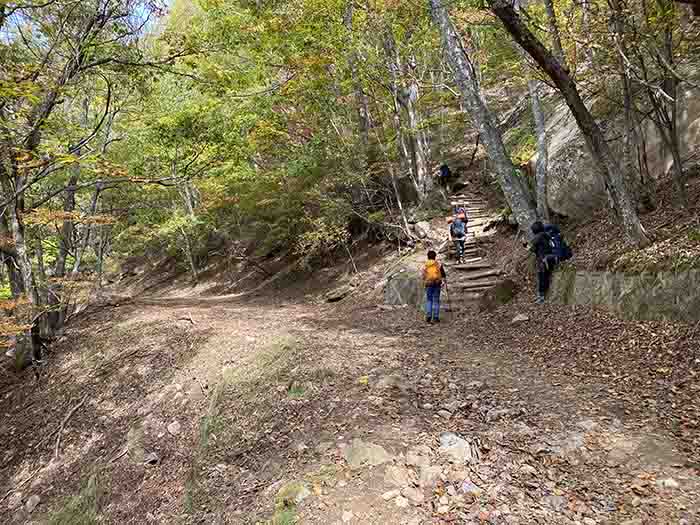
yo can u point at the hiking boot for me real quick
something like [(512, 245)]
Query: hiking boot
[(540, 299), (428, 320), (11, 353), (436, 320)]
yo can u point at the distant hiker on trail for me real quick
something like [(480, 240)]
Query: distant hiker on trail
[(444, 176), (550, 250), (458, 232), (433, 273), (541, 246)]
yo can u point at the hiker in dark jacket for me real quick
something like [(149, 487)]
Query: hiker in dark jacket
[(541, 246)]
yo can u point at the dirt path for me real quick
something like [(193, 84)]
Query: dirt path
[(200, 411)]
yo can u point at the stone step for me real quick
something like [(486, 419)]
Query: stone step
[(471, 266), (477, 285), (474, 274)]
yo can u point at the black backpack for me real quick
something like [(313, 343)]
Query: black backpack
[(560, 250)]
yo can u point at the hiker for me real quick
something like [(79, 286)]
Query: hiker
[(541, 246), (433, 273), (444, 176), (458, 232), (550, 251)]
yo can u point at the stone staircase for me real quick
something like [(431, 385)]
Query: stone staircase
[(468, 281)]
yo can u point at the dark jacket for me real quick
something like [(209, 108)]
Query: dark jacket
[(540, 246)]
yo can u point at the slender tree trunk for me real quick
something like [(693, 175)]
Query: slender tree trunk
[(394, 67), (598, 147), (460, 60), (361, 101), (421, 155), (541, 165), (557, 48), (85, 241)]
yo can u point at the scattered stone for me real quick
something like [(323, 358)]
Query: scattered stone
[(429, 476), (444, 500), (151, 458), (588, 425), (452, 386), (414, 495), (32, 503), (446, 414), (475, 385), (668, 483), (15, 500), (418, 456), (557, 503), (499, 413), (401, 502), (635, 521), (387, 496), (427, 406), (470, 489), (174, 428), (529, 470), (443, 509), (339, 293), (397, 476), (360, 453), (520, 318), (456, 448), (390, 381), (451, 490), (292, 493), (348, 515)]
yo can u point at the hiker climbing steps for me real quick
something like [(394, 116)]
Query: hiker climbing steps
[(474, 275)]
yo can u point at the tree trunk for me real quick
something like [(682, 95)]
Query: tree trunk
[(557, 48), (421, 155), (85, 241), (394, 67), (542, 155), (361, 101), (598, 147), (459, 57)]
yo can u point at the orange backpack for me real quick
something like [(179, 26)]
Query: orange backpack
[(432, 274)]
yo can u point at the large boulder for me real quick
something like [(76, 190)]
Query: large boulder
[(575, 188), (404, 287)]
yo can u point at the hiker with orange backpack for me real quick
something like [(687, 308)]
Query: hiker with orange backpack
[(433, 273)]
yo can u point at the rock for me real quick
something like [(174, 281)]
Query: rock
[(422, 229), (446, 414), (414, 495), (529, 470), (174, 428), (444, 500), (501, 294), (14, 501), (520, 318), (151, 458), (390, 381), (499, 413), (557, 503), (292, 493), (668, 483), (429, 476), (339, 293), (588, 425), (443, 509), (401, 502), (452, 386), (387, 496), (427, 406), (360, 453), (419, 456), (32, 503), (470, 489), (348, 515), (475, 385), (404, 288), (635, 521), (397, 476), (456, 448)]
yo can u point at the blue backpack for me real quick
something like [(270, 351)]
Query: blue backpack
[(560, 250), (458, 228)]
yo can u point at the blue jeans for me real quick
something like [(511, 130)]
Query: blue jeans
[(432, 303)]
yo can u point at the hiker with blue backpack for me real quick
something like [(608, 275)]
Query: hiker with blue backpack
[(550, 250), (458, 232)]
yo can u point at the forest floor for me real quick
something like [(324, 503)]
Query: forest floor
[(234, 410)]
